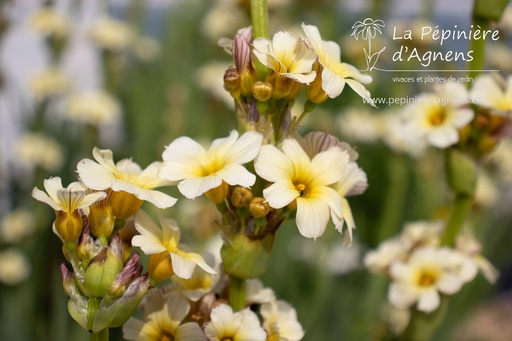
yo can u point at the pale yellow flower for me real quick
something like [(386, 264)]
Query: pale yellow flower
[(437, 117), (280, 321), (290, 59), (307, 182), (333, 73), (427, 273), (67, 199), (240, 326), (130, 184), (153, 240), (163, 322), (494, 93), (199, 171)]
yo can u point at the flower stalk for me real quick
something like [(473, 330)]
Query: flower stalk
[(259, 19), (236, 293), (101, 336)]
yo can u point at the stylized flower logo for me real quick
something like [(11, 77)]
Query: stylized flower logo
[(368, 29)]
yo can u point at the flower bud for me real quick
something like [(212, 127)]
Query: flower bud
[(262, 91), (101, 219), (218, 194), (241, 197), (124, 204), (461, 171), (259, 207), (103, 268), (160, 266), (114, 312), (131, 270), (232, 80), (68, 225), (245, 258)]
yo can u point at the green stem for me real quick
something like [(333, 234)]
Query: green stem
[(259, 19), (459, 212), (478, 48), (236, 293), (101, 336)]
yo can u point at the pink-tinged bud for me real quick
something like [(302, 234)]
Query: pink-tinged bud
[(131, 270), (78, 302)]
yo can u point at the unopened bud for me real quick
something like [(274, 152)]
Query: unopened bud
[(241, 197), (262, 91), (232, 81), (124, 204), (245, 258), (160, 266), (101, 219), (218, 194), (487, 143), (259, 207), (101, 272), (69, 225)]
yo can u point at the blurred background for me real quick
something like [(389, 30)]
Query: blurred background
[(132, 75)]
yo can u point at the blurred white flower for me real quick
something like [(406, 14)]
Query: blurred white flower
[(163, 322), (280, 321), (256, 293), (147, 49), (438, 117), (112, 34), (240, 326), (14, 266), (96, 108), (493, 92), (17, 225), (466, 244), (427, 273), (501, 160), (49, 83), (200, 283), (38, 150), (50, 22), (360, 125), (399, 138), (223, 19)]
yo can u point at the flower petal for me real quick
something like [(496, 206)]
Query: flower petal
[(429, 300), (236, 175), (272, 164), (194, 187), (43, 197), (94, 175), (280, 194), (312, 217), (245, 148)]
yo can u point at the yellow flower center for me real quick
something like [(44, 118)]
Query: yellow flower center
[(427, 278), (166, 337), (437, 116), (301, 188)]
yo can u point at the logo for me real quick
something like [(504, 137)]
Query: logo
[(368, 29)]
